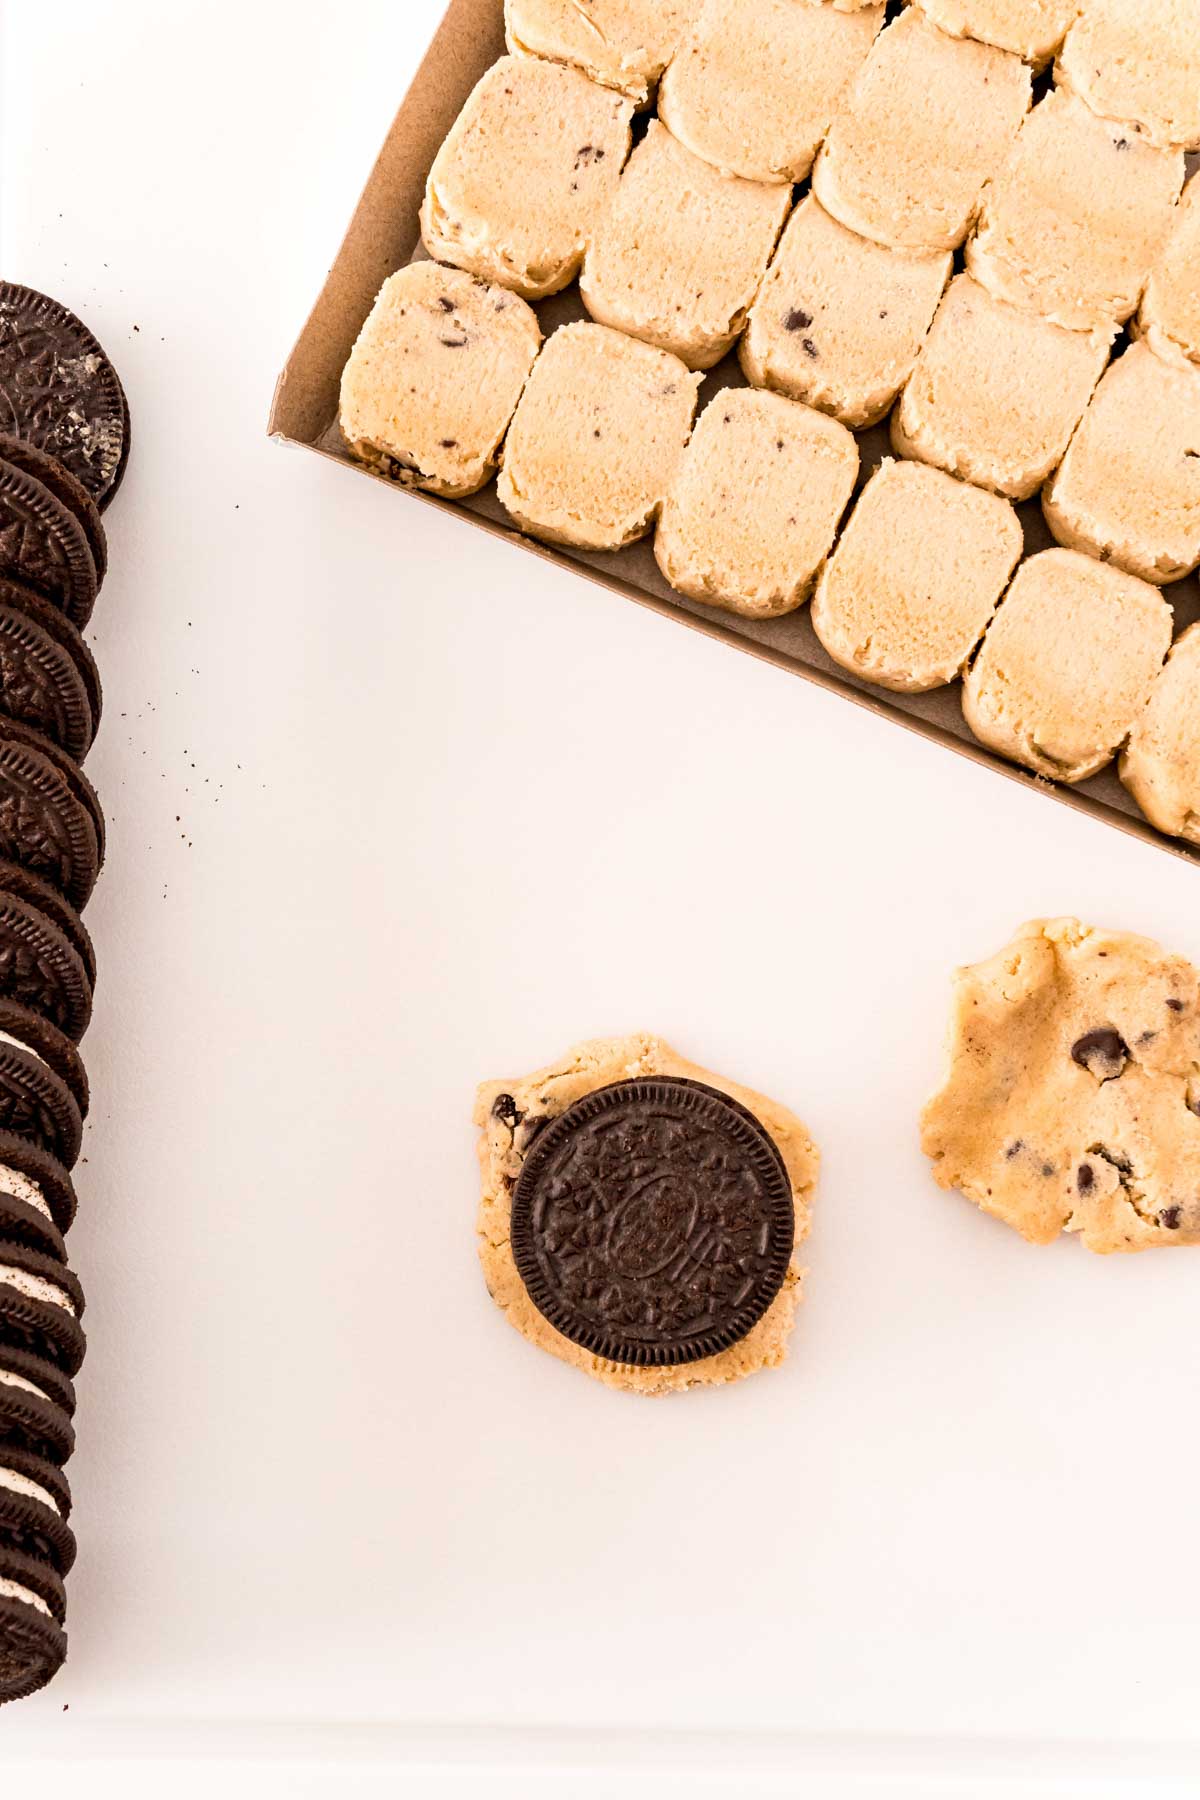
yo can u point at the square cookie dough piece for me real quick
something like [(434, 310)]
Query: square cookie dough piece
[(1032, 29), (997, 392), (680, 254), (596, 438), (434, 378), (509, 1116), (622, 44), (755, 504), (1067, 665), (1161, 762), (1169, 318), (929, 119), (1138, 60), (1129, 486), (917, 575), (530, 164), (1074, 221), (840, 319), (754, 89)]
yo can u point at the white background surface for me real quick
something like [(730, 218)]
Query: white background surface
[(394, 808)]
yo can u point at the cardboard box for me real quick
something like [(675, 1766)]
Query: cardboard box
[(384, 235)]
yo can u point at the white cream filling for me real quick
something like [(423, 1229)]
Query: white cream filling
[(6, 1037), (36, 1287), (12, 1590), (22, 1188), (8, 1379), (30, 1490)]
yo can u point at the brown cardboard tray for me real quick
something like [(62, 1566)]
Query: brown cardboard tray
[(384, 235)]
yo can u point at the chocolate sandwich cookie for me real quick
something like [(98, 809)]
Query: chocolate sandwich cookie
[(37, 1405), (50, 821), (41, 681), (34, 1504), (40, 968), (653, 1222), (43, 544), (59, 390), (64, 486), (34, 1182), (41, 1303), (33, 1644), (36, 1100), (24, 885)]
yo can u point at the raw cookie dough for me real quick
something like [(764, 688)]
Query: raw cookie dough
[(929, 119), (623, 44), (1072, 224), (596, 438), (1129, 486), (507, 1112), (1067, 665), (754, 89), (680, 254), (839, 319), (435, 377), (997, 391), (1033, 29), (1169, 319), (755, 504), (917, 574), (1072, 1097), (1138, 60), (530, 164), (1161, 763)]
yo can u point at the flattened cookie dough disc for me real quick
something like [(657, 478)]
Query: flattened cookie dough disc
[(1169, 318), (1138, 60), (623, 44), (1161, 762), (512, 1115), (1033, 29), (1071, 1100)]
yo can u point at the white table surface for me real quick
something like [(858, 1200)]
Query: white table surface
[(394, 808)]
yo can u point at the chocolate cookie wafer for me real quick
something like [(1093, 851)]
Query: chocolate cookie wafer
[(34, 1503), (41, 1303), (43, 682), (34, 1181), (40, 967), (59, 390), (43, 544), (50, 818), (33, 1644), (37, 1101), (37, 1405), (24, 885), (64, 486)]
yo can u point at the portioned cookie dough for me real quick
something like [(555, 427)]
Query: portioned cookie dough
[(929, 119), (1129, 486), (435, 377), (1072, 1095), (997, 391), (1067, 665), (529, 166), (1138, 60), (1161, 763), (917, 574), (510, 1115), (1033, 29), (680, 254), (754, 89), (596, 439), (839, 319), (755, 504), (623, 44), (1072, 224), (1169, 318)]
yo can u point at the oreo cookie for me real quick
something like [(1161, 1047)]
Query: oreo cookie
[(33, 1644), (36, 1182), (33, 1519), (24, 885), (40, 968), (63, 485), (37, 1405), (44, 681), (59, 391), (653, 1222), (43, 545), (50, 819), (36, 1101), (41, 1303)]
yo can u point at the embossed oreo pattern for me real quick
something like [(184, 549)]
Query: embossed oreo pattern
[(44, 826), (59, 390), (41, 969), (43, 545), (41, 685), (653, 1222)]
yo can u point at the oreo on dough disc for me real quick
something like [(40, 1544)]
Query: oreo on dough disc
[(653, 1222), (64, 486), (43, 545)]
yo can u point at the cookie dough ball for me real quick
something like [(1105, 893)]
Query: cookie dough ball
[(1067, 665), (1073, 223), (1033, 29), (1071, 1100), (622, 44), (997, 391), (1129, 486), (529, 166), (1161, 763), (1169, 319), (596, 439), (435, 377), (754, 89), (510, 1114), (839, 320), (1138, 60), (756, 502), (929, 119), (681, 253), (918, 573)]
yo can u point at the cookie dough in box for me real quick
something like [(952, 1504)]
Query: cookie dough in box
[(596, 438), (1033, 29), (509, 1115), (435, 377), (839, 320), (755, 504), (1067, 665), (917, 574), (1129, 486), (530, 164), (1169, 318), (1138, 60), (623, 44), (997, 391), (754, 89), (929, 119), (1073, 223), (1161, 762), (680, 254)]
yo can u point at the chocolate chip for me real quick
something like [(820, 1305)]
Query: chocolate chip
[(1147, 1037), (797, 320), (504, 1108), (1015, 1148), (1085, 1180), (1175, 1004), (1047, 1170), (449, 443), (588, 154), (1122, 143), (455, 343), (1171, 1217), (808, 347), (446, 304), (1103, 1053)]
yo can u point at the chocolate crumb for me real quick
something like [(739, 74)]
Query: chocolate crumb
[(455, 343), (1015, 1148), (1122, 143), (1047, 1170), (1171, 1217), (446, 304), (1175, 1004), (1085, 1180), (808, 347), (797, 320), (504, 1108)]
